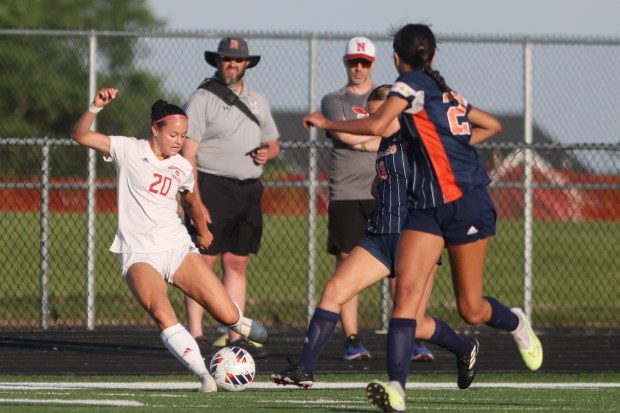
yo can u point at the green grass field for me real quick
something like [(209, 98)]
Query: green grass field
[(575, 268), (490, 392)]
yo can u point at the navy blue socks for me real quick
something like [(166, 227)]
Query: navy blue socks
[(501, 316), (319, 331), (400, 338), (445, 337)]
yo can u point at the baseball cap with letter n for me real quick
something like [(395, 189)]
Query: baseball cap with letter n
[(360, 48)]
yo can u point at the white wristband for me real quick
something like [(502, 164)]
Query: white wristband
[(94, 109)]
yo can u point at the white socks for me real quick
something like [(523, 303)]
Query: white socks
[(243, 325), (183, 346)]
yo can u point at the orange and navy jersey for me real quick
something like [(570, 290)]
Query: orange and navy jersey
[(436, 125)]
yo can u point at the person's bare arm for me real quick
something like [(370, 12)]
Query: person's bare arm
[(190, 147), (82, 132), (484, 126), (193, 208), (375, 126), (351, 139), (371, 145)]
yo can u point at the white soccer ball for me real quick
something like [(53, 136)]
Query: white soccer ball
[(232, 368)]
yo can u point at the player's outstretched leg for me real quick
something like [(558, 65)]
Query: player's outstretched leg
[(528, 343), (389, 397)]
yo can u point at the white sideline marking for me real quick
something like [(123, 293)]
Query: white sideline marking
[(116, 403), (271, 386)]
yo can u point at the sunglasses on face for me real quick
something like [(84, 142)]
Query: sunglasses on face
[(354, 62), (233, 59)]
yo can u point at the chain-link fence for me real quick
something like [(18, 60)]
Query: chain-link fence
[(555, 169)]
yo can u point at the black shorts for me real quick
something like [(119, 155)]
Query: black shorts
[(347, 222), (236, 214)]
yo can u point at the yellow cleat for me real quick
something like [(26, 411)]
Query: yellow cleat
[(389, 397), (529, 345), (222, 341)]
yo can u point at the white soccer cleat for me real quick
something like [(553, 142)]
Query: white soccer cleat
[(207, 384), (528, 343)]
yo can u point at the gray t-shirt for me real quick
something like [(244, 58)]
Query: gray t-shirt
[(225, 134), (351, 172)]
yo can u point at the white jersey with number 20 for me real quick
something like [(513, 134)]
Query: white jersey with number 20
[(148, 221)]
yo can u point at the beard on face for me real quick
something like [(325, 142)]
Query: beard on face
[(231, 80)]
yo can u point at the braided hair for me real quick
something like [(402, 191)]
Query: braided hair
[(161, 109), (415, 44)]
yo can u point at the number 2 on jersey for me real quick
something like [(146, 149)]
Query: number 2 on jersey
[(161, 185), (455, 112)]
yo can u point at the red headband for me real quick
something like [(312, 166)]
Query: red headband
[(171, 117)]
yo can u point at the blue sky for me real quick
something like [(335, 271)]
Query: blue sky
[(598, 18)]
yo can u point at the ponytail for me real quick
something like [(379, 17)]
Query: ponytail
[(415, 44)]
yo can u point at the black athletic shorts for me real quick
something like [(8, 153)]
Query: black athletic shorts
[(347, 222), (236, 214)]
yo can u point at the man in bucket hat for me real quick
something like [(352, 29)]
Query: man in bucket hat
[(232, 47), (231, 135)]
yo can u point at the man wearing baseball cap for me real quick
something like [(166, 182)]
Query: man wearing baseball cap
[(352, 170), (231, 135)]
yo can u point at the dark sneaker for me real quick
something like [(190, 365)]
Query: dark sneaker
[(354, 349), (466, 365), (256, 352), (295, 375), (206, 349)]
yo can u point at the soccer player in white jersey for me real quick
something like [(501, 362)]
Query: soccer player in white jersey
[(153, 245)]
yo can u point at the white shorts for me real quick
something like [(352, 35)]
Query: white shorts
[(165, 262)]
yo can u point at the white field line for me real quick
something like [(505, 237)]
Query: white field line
[(271, 386), (88, 402)]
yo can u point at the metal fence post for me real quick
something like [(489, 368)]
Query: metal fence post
[(528, 191), (91, 197), (313, 183), (44, 233)]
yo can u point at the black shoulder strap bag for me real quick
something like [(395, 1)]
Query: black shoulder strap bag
[(228, 96)]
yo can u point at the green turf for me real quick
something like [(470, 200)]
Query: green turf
[(277, 399)]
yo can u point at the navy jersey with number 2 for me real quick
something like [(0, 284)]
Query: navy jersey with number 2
[(443, 162)]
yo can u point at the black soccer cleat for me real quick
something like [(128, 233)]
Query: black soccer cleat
[(295, 375), (466, 365)]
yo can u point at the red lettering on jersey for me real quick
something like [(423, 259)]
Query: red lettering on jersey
[(161, 185)]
